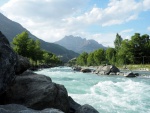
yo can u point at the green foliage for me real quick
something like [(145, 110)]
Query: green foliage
[(111, 55), (20, 43), (133, 51), (90, 59), (125, 53), (99, 56), (31, 49), (140, 46), (117, 42), (82, 59), (72, 62), (49, 58), (95, 58)]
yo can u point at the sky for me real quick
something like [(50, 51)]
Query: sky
[(100, 20)]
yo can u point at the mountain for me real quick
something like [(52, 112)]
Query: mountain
[(79, 44), (10, 29)]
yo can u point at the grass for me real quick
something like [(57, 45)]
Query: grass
[(137, 66)]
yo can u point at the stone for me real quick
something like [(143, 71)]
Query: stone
[(16, 108), (131, 74), (28, 73), (114, 69), (38, 92), (73, 105), (86, 109), (76, 68), (107, 70), (22, 65), (86, 70), (8, 63)]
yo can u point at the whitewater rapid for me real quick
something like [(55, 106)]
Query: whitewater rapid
[(108, 94)]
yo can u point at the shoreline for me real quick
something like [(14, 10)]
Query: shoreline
[(112, 70)]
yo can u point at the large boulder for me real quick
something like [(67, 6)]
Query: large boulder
[(8, 59), (15, 108), (86, 109), (22, 65), (38, 92), (31, 90), (73, 105), (106, 70)]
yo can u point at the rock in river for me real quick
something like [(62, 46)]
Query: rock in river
[(106, 70)]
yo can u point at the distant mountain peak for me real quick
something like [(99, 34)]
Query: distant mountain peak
[(79, 44)]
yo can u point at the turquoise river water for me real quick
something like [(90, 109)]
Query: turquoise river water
[(107, 94)]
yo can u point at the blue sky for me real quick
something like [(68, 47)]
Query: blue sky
[(100, 20)]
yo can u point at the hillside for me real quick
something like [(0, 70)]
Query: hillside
[(10, 29), (79, 44)]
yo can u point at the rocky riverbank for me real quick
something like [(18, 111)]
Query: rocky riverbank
[(24, 91), (99, 70), (105, 70)]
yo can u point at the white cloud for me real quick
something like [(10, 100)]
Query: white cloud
[(126, 31), (148, 28), (117, 12), (53, 19), (42, 9), (44, 18), (146, 4)]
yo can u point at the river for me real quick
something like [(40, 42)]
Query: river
[(107, 94)]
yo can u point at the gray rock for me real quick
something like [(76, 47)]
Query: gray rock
[(114, 69), (86, 70), (16, 108), (38, 92), (86, 109), (22, 65), (8, 59), (131, 74), (28, 73), (76, 68), (106, 70)]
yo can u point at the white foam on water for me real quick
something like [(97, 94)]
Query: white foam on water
[(121, 97), (115, 94)]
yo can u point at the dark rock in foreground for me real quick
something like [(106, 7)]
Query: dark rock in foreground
[(15, 108), (86, 109), (38, 92), (73, 105), (22, 65), (8, 62), (31, 90)]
